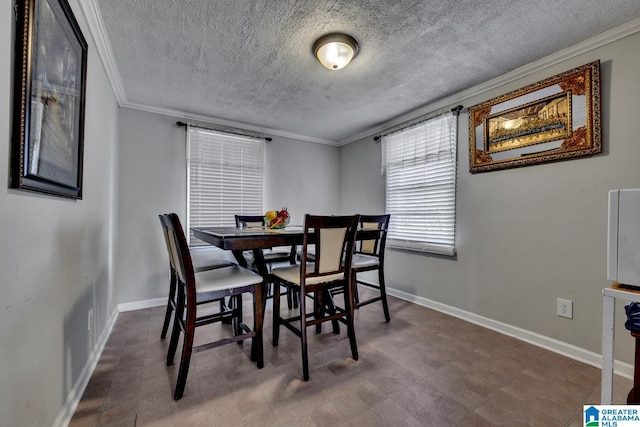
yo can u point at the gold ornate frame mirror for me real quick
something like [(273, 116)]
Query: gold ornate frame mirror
[(555, 119)]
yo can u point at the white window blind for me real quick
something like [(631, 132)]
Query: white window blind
[(419, 164), (224, 177)]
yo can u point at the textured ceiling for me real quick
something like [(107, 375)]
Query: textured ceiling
[(250, 61)]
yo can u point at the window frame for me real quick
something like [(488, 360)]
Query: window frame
[(426, 150), (226, 154)]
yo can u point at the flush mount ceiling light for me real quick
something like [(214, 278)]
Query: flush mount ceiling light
[(335, 51)]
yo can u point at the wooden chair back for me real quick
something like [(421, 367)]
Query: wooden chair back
[(165, 233), (249, 221), (181, 258), (374, 247), (331, 240)]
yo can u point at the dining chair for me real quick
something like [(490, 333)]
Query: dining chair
[(333, 239), (203, 260), (210, 285), (369, 256), (272, 256)]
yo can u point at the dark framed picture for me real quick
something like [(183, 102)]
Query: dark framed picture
[(554, 119), (49, 99)]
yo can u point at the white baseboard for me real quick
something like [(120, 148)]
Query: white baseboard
[(74, 396), (140, 305), (568, 350)]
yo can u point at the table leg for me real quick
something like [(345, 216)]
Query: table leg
[(608, 329), (260, 263), (261, 266), (242, 261)]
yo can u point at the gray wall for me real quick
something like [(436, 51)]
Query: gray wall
[(54, 258), (152, 179), (151, 164), (526, 236), (302, 176)]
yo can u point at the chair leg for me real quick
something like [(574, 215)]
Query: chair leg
[(354, 290), (257, 350), (290, 299), (383, 294), (269, 290), (276, 314), (303, 339), (331, 310), (170, 302), (295, 295), (187, 347), (175, 333), (173, 342), (236, 309), (351, 330), (356, 294), (223, 306), (317, 309)]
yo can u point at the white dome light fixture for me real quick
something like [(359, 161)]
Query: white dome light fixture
[(335, 51)]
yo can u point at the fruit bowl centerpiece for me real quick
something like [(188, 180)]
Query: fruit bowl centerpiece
[(276, 219)]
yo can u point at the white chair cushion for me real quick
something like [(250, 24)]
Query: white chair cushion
[(210, 264), (361, 261), (204, 258), (292, 275), (225, 278)]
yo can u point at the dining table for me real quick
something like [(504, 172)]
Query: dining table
[(254, 239), (257, 239)]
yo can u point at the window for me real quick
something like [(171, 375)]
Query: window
[(419, 163), (224, 177)]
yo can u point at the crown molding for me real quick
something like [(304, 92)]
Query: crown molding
[(600, 40), (91, 13), (224, 122)]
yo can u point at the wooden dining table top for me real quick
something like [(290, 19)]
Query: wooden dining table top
[(250, 238), (256, 239)]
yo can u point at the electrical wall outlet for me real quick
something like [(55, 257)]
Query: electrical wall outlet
[(565, 308), (90, 319)]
